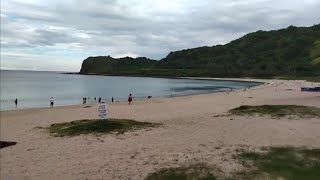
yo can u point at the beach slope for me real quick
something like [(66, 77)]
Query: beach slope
[(194, 129)]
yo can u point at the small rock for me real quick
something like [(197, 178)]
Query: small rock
[(231, 119)]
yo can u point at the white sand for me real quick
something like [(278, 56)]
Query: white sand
[(190, 134)]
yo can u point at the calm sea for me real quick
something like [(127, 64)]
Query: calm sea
[(34, 89)]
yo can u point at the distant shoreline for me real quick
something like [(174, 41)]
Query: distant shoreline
[(243, 79)]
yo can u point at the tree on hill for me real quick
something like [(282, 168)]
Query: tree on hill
[(293, 51)]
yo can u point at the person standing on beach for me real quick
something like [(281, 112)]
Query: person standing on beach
[(112, 99), (51, 102), (130, 98), (99, 100), (16, 102)]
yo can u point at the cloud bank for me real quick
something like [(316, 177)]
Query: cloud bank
[(58, 35)]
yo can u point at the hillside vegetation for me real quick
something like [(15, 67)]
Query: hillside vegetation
[(294, 51)]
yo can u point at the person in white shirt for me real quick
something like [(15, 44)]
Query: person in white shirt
[(51, 102)]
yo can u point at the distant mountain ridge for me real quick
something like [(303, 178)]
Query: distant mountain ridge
[(293, 51)]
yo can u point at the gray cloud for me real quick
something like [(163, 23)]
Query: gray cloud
[(144, 28)]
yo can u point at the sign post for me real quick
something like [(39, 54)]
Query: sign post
[(102, 110)]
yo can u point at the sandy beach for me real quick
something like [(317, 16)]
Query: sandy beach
[(193, 131)]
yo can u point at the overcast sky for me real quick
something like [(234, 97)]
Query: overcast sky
[(59, 35)]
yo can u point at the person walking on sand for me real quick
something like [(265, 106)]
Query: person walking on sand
[(130, 98), (99, 100), (51, 102), (16, 102), (112, 99)]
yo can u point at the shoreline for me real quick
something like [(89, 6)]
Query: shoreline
[(249, 79), (170, 77), (262, 81)]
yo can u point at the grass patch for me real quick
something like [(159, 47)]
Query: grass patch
[(275, 163), (283, 163), (78, 127), (277, 111), (198, 171)]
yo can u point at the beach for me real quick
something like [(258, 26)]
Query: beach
[(194, 129)]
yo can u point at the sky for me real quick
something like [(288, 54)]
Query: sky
[(57, 35)]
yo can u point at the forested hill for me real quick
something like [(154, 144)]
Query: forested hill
[(113, 66), (294, 51)]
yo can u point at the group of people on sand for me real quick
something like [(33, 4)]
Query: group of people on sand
[(84, 100), (130, 98), (99, 99)]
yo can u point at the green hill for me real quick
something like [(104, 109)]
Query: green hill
[(113, 66), (294, 51)]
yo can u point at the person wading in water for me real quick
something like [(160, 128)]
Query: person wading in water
[(51, 102)]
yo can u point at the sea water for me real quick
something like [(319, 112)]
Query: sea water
[(34, 88)]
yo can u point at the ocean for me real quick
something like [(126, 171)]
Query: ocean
[(34, 88)]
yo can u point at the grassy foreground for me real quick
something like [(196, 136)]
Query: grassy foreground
[(78, 127), (277, 111), (198, 171), (283, 163), (275, 163)]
